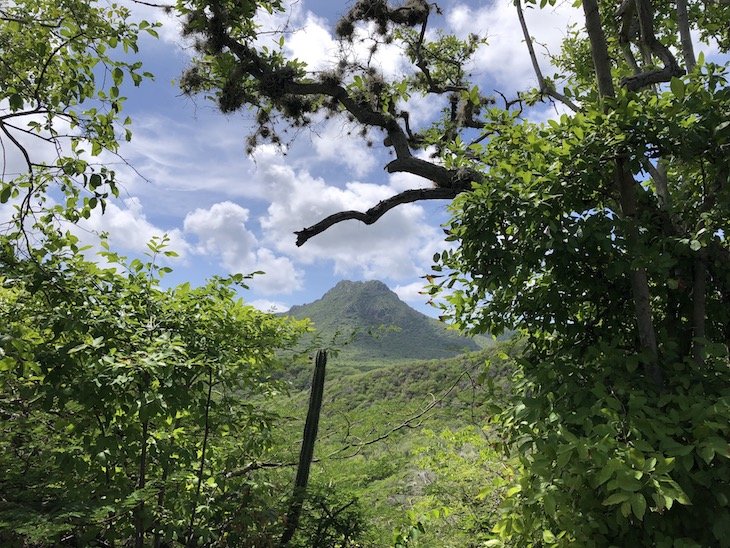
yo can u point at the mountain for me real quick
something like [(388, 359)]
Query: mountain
[(379, 325)]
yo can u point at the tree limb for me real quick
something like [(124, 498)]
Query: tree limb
[(626, 186), (374, 213), (544, 87), (684, 34), (645, 14)]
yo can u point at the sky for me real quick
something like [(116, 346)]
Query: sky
[(227, 212)]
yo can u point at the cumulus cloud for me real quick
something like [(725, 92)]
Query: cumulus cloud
[(128, 228), (221, 232), (336, 143), (389, 248), (312, 42), (412, 292), (505, 59), (266, 305)]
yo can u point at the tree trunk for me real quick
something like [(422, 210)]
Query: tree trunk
[(699, 305), (684, 34), (627, 190), (139, 511)]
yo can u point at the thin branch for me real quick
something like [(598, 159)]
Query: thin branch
[(154, 5), (47, 63), (684, 34), (201, 467), (545, 88), (251, 466), (408, 423), (660, 183), (645, 15), (376, 212), (422, 65), (20, 147)]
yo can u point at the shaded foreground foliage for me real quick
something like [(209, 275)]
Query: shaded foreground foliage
[(128, 409)]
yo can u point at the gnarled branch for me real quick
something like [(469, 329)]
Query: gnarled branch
[(376, 212), (645, 15)]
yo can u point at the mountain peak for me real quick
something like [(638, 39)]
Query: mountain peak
[(362, 289), (384, 326)]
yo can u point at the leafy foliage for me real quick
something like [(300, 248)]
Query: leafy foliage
[(64, 64), (605, 453), (128, 408)]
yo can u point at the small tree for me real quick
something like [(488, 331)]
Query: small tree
[(128, 410), (601, 236), (62, 69)]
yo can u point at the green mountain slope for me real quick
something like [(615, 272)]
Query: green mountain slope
[(378, 325), (407, 437)]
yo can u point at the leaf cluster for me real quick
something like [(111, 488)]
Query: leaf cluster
[(125, 405)]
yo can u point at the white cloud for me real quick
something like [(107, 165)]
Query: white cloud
[(266, 305), (128, 228), (221, 232), (312, 43), (505, 59), (280, 274), (206, 154), (336, 143), (389, 248), (411, 292)]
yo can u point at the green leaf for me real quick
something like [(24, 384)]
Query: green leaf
[(548, 501), (16, 102), (616, 498), (7, 363), (671, 489), (677, 86), (118, 76), (606, 473), (628, 483), (5, 193), (638, 505)]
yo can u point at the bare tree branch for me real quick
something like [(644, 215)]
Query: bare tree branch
[(154, 5), (545, 88), (374, 213), (282, 85), (645, 15)]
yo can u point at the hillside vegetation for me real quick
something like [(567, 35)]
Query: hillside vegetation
[(407, 444), (372, 324)]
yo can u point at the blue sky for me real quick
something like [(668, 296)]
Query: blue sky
[(226, 212)]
